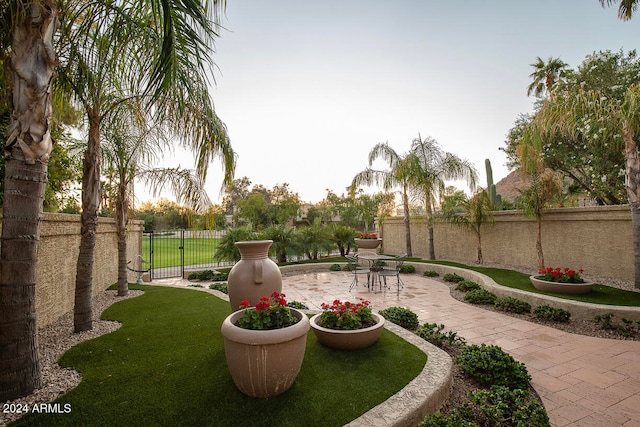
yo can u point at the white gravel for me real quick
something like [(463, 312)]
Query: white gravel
[(53, 341)]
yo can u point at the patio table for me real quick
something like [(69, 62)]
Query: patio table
[(373, 259)]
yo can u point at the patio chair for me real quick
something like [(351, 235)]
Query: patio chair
[(394, 270), (356, 269)]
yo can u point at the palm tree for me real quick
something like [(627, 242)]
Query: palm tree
[(284, 240), (155, 55), (617, 122), (28, 27), (430, 168), (129, 146), (471, 214), (626, 9), (545, 75), (399, 174), (544, 185), (343, 237)]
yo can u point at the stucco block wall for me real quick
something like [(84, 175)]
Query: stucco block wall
[(57, 256), (596, 239)]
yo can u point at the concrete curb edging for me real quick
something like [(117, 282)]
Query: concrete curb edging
[(424, 395)]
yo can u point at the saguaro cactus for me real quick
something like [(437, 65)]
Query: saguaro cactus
[(496, 199)]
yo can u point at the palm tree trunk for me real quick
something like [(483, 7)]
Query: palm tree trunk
[(479, 259), (82, 312), (122, 218), (430, 243), (539, 254), (24, 193), (28, 146), (632, 166), (407, 223)]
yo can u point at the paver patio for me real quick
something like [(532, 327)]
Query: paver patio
[(583, 381)]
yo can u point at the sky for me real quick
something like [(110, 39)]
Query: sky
[(308, 88)]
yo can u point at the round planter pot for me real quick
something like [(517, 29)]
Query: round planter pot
[(348, 340), (368, 243), (255, 275), (561, 288), (264, 363)]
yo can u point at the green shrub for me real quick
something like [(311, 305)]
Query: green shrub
[(335, 267), (431, 273), (298, 305), (401, 316), (196, 285), (551, 313), (467, 285), (219, 276), (626, 329), (407, 269), (222, 287), (512, 305), (490, 365), (433, 333), (452, 277), (216, 276), (498, 406), (480, 296)]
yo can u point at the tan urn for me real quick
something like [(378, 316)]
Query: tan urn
[(561, 288), (368, 243), (264, 363), (255, 275)]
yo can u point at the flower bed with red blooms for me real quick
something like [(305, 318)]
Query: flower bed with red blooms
[(368, 236), (269, 313), (564, 275), (346, 315)]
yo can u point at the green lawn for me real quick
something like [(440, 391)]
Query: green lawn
[(166, 367), (600, 294), (167, 253)]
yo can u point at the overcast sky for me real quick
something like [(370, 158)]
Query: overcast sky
[(307, 88)]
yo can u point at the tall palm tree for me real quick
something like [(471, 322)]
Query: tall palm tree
[(626, 9), (398, 175), (130, 148), (27, 29), (431, 167), (155, 54), (617, 122), (545, 75)]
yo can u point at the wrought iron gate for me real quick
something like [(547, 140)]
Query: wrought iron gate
[(172, 252)]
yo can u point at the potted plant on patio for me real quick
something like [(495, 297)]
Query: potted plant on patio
[(561, 280), (265, 345), (368, 241), (347, 325)]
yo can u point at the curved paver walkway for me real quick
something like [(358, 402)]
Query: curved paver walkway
[(582, 381)]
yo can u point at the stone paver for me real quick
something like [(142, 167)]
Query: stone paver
[(583, 381)]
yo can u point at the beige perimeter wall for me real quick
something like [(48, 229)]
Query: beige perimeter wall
[(58, 254), (596, 239)]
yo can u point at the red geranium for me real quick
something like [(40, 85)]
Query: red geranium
[(270, 313), (561, 275), (346, 315), (368, 236)]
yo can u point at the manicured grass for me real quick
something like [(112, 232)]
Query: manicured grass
[(166, 366), (167, 253), (600, 294)]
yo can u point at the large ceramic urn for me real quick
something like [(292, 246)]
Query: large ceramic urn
[(255, 275), (264, 363)]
